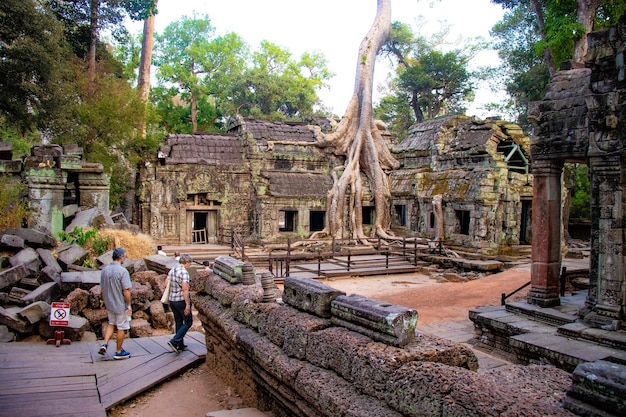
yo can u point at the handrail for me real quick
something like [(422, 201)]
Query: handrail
[(505, 296), (237, 245)]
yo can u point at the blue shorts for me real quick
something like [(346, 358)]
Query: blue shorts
[(120, 320)]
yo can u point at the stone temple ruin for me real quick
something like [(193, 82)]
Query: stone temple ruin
[(268, 181)]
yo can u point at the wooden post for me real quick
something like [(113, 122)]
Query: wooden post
[(288, 257)]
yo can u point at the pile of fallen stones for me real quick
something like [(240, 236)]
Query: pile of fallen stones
[(36, 270)]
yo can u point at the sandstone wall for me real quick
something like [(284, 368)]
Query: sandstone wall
[(294, 363)]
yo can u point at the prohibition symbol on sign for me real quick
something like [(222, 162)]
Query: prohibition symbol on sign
[(59, 314)]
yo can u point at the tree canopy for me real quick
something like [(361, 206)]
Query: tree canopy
[(428, 80), (535, 37)]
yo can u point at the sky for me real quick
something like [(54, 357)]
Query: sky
[(336, 28)]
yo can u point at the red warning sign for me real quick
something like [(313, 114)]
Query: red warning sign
[(59, 314)]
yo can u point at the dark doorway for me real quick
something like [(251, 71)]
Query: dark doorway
[(525, 232), (368, 215), (463, 216), (400, 211), (287, 221), (317, 219)]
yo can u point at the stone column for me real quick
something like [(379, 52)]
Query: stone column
[(605, 304), (45, 198), (94, 190), (546, 228)]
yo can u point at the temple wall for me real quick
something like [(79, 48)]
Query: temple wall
[(296, 363)]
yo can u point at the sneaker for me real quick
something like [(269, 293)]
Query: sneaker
[(183, 347), (173, 347), (122, 354), (103, 349)]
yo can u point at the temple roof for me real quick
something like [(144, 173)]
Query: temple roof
[(263, 131), (294, 184), (210, 149)]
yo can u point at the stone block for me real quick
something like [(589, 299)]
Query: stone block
[(309, 295), (598, 385), (45, 292), (16, 295), (5, 335), (83, 279), (78, 300), (383, 322), (74, 330), (70, 210), (141, 294), (4, 298), (96, 316), (33, 238), (228, 268), (27, 257), (86, 218), (50, 274), (73, 255), (157, 314), (35, 312), (140, 328), (9, 317), (11, 276), (14, 166), (47, 150), (48, 258), (160, 264), (95, 296), (12, 241)]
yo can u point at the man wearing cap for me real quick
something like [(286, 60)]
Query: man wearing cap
[(115, 284)]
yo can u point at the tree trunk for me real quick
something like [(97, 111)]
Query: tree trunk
[(143, 82), (194, 113), (586, 13), (359, 140), (547, 53), (93, 37)]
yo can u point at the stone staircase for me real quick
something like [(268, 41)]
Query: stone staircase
[(528, 334)]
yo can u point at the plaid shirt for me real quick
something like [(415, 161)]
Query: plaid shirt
[(177, 276)]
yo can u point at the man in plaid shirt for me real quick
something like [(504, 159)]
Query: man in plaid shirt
[(180, 301)]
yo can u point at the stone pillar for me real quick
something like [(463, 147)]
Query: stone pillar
[(546, 229), (93, 190), (606, 300), (45, 198)]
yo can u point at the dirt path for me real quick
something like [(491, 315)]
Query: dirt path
[(198, 391)]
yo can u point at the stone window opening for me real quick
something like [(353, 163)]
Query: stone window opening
[(400, 214), (317, 220), (513, 156), (287, 220), (463, 218)]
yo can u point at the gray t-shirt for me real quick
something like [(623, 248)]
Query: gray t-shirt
[(114, 279)]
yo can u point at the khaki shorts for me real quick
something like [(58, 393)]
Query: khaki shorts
[(120, 320)]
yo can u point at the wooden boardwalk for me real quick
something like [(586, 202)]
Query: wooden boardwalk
[(37, 379)]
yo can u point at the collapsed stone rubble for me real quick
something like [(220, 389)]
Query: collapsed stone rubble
[(36, 270)]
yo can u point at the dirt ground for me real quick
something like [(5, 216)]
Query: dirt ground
[(198, 391)]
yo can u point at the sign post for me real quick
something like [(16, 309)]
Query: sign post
[(59, 317)]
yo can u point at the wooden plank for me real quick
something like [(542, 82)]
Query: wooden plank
[(152, 345), (45, 407), (157, 370), (67, 383)]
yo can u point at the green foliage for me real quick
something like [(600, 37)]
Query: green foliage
[(78, 236), (427, 80), (32, 53), (13, 203), (519, 42), (101, 244), (580, 188), (89, 239)]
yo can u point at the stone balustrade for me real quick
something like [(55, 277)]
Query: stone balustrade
[(294, 359)]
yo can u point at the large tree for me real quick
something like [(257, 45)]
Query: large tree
[(32, 57), (195, 62), (535, 37), (358, 139)]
